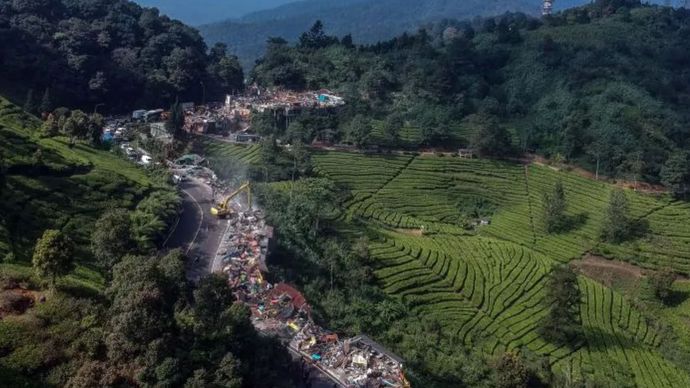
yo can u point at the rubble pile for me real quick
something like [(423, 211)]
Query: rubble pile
[(282, 311)]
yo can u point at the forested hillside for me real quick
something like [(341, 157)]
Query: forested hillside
[(114, 53), (86, 300), (605, 86), (367, 21)]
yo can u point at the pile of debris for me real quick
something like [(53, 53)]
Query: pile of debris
[(354, 362), (282, 311)]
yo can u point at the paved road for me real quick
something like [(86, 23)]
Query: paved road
[(198, 233)]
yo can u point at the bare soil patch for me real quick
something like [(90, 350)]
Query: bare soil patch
[(608, 271), (411, 232), (17, 300)]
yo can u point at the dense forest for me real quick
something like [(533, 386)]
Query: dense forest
[(111, 53), (605, 86), (367, 21)]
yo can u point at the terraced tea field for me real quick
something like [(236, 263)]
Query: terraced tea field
[(485, 284), (246, 153)]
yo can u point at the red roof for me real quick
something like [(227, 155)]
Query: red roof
[(297, 298)]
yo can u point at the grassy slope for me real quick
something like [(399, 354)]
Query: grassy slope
[(486, 286), (78, 184)]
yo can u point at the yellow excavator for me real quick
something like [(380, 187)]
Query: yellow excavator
[(224, 210)]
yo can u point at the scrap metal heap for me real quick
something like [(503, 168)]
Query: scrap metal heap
[(282, 311)]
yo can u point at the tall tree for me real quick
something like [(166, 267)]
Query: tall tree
[(300, 159), (176, 120), (53, 255), (76, 126), (562, 324), (661, 283), (554, 209), (675, 173), (50, 127), (491, 139), (359, 130), (112, 237), (315, 38), (511, 371), (617, 224), (94, 130)]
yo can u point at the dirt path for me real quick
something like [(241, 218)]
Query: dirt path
[(608, 271)]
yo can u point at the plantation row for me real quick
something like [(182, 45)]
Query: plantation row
[(488, 291), (217, 149), (483, 291), (619, 342), (433, 193)]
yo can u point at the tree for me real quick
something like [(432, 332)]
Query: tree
[(661, 283), (561, 325), (491, 139), (76, 126), (228, 373), (511, 371), (112, 237), (46, 105), (50, 126), (229, 72), (53, 255), (95, 129), (675, 172), (554, 209), (213, 296), (315, 38), (359, 130), (176, 120), (391, 127), (617, 224), (29, 103), (300, 158)]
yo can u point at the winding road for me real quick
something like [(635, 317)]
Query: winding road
[(197, 233)]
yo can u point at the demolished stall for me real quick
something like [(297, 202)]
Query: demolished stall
[(282, 311)]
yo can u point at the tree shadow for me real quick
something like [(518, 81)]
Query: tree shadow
[(569, 223), (676, 298), (638, 229)]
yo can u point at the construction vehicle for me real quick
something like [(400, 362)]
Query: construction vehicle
[(224, 210)]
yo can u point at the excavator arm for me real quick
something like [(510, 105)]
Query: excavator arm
[(223, 209)]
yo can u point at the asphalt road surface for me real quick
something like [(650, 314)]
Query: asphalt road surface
[(197, 233)]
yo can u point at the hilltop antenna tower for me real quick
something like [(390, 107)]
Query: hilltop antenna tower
[(547, 8)]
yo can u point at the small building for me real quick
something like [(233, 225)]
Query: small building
[(466, 153)]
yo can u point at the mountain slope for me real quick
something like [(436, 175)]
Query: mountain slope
[(207, 11), (367, 21), (106, 52), (47, 184), (609, 90)]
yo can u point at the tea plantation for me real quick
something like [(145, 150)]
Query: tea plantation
[(47, 184), (463, 241)]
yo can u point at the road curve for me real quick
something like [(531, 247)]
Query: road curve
[(197, 233)]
